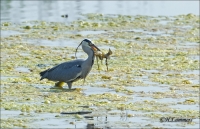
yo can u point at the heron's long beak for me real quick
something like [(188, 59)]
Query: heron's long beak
[(94, 48)]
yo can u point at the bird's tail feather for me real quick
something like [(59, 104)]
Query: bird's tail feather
[(42, 74)]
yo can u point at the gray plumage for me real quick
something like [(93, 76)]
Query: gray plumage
[(74, 70)]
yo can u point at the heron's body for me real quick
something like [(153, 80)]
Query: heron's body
[(71, 71)]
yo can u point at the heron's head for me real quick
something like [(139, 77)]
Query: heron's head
[(87, 45)]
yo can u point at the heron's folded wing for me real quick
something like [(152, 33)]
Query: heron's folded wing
[(67, 71)]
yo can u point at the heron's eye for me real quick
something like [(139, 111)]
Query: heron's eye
[(89, 43), (78, 65)]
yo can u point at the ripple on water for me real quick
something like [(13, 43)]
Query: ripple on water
[(9, 113), (148, 88), (185, 107), (85, 33), (22, 69), (6, 77), (191, 72), (7, 33), (96, 90), (54, 43)]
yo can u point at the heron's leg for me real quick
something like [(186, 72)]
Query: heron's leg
[(97, 62), (59, 84), (69, 84)]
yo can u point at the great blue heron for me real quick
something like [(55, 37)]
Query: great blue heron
[(71, 71)]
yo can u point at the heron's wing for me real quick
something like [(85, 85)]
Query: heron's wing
[(65, 72)]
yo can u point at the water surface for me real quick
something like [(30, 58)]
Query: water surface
[(18, 11)]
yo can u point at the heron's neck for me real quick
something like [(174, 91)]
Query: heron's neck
[(90, 58), (87, 64)]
